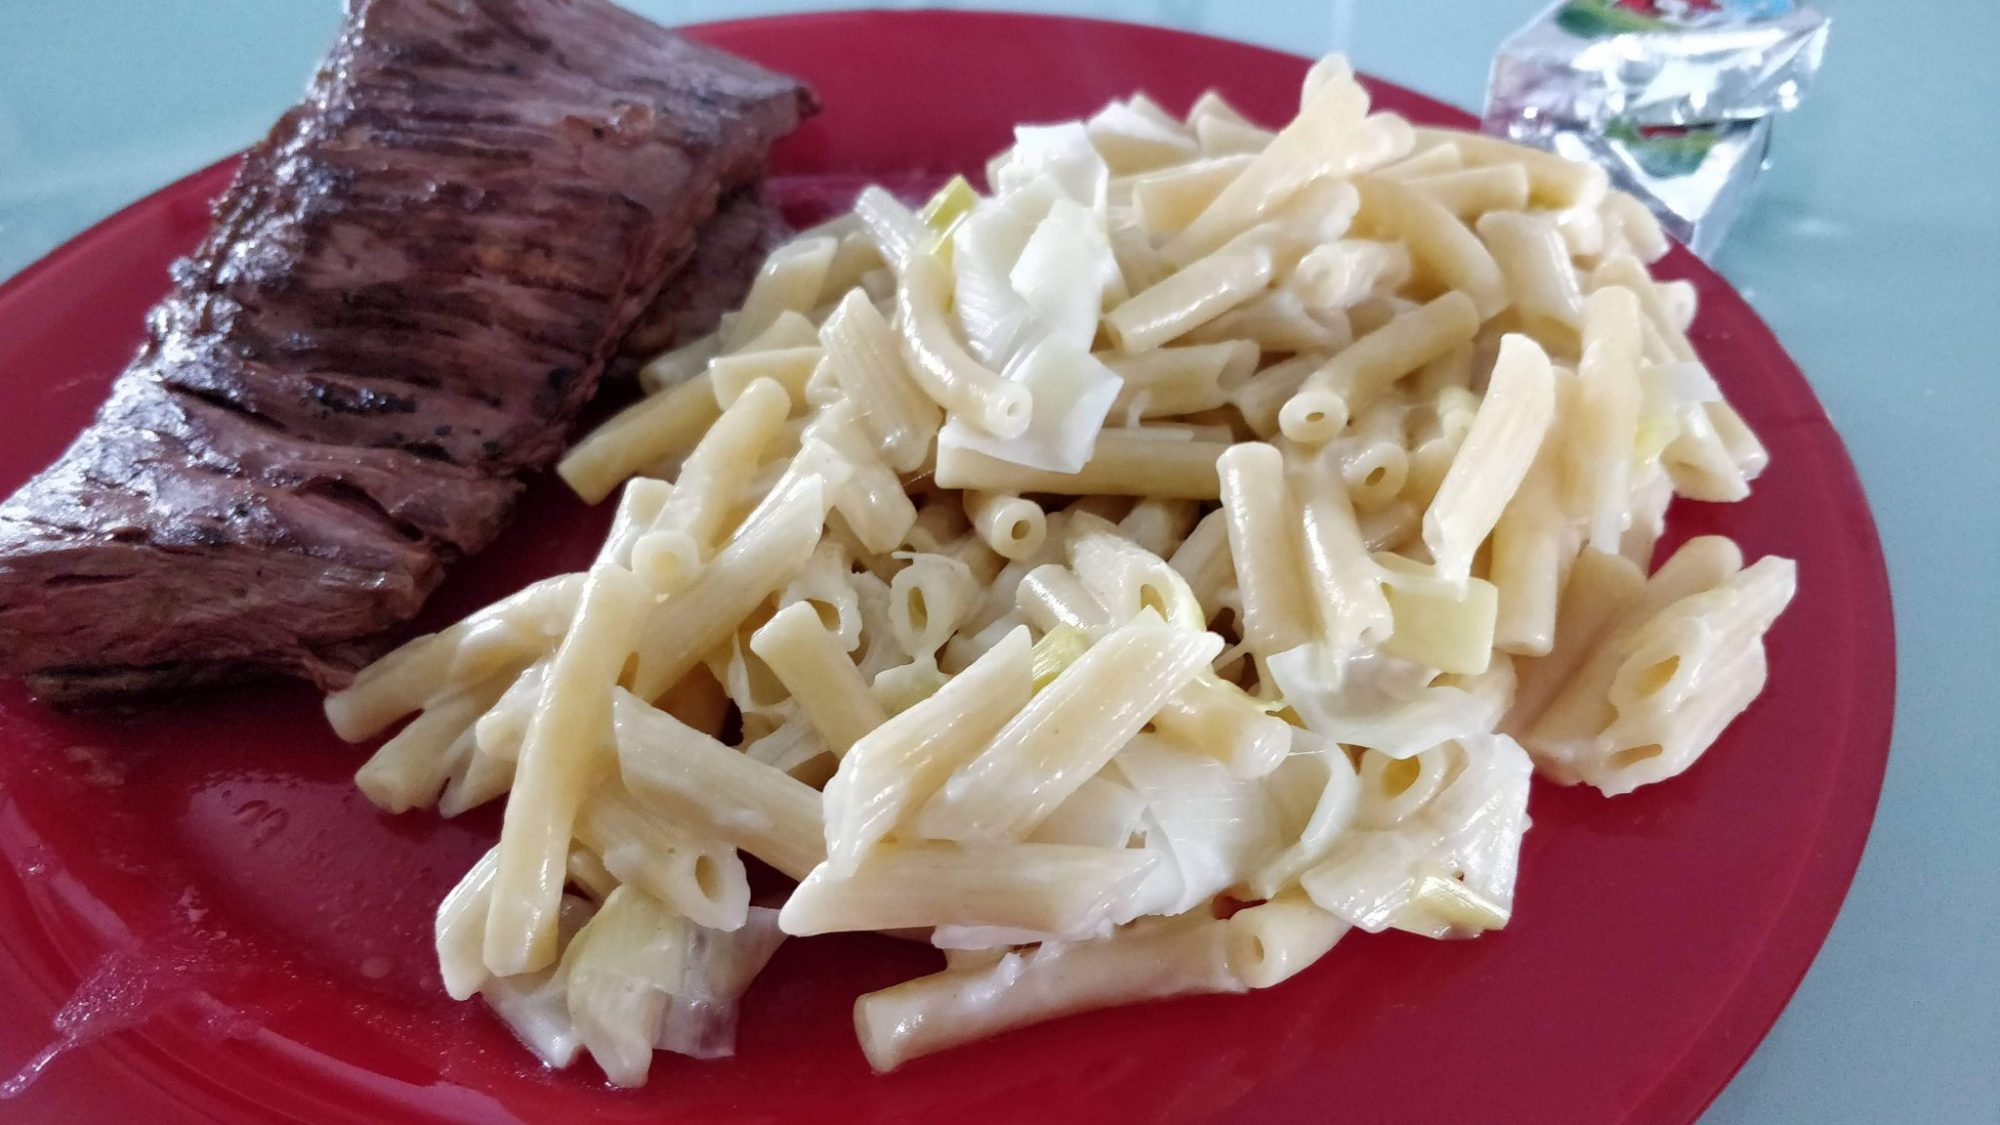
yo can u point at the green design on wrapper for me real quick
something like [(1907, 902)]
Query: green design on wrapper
[(1665, 153), (1602, 19)]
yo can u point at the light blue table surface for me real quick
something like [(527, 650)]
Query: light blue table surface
[(1872, 250)]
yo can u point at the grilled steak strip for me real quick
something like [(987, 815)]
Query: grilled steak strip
[(734, 242), (412, 285)]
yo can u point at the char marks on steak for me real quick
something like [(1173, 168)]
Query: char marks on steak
[(411, 287)]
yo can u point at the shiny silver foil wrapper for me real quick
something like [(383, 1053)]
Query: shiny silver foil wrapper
[(1658, 62), (1676, 98), (1697, 180)]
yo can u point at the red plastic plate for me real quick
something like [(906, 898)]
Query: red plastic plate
[(223, 930)]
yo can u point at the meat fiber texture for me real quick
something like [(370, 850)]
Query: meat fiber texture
[(412, 286), (733, 244)]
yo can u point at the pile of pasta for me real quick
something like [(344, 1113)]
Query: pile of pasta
[(1127, 581)]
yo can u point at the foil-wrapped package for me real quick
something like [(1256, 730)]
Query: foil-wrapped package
[(1658, 62), (1674, 97), (1696, 178)]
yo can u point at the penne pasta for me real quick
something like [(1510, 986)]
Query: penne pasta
[(1357, 375), (1277, 322), (1596, 466), (1673, 682), (1057, 889), (1123, 465), (1607, 598), (1431, 160), (1222, 721), (1372, 457), (927, 601), (562, 754), (1274, 941), (826, 587), (638, 845), (1317, 141), (1469, 193), (1220, 136), (1535, 262), (1639, 231), (1053, 598), (751, 805), (460, 930), (1211, 104), (791, 329), (788, 368), (1553, 182), (1532, 547), (1345, 586), (639, 504), (499, 731), (808, 660), (1264, 548), (685, 531), (953, 379), (1203, 559), (1140, 263), (685, 361), (1181, 380), (865, 492), (1191, 296), (1488, 469), (1160, 526), (1013, 527), (789, 281), (1128, 580), (1701, 462), (1262, 397), (946, 1009), (1343, 273), (1066, 733), (854, 256), (1166, 201), (896, 767), (652, 430), (411, 769), (773, 544), (865, 359), (1441, 246)]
